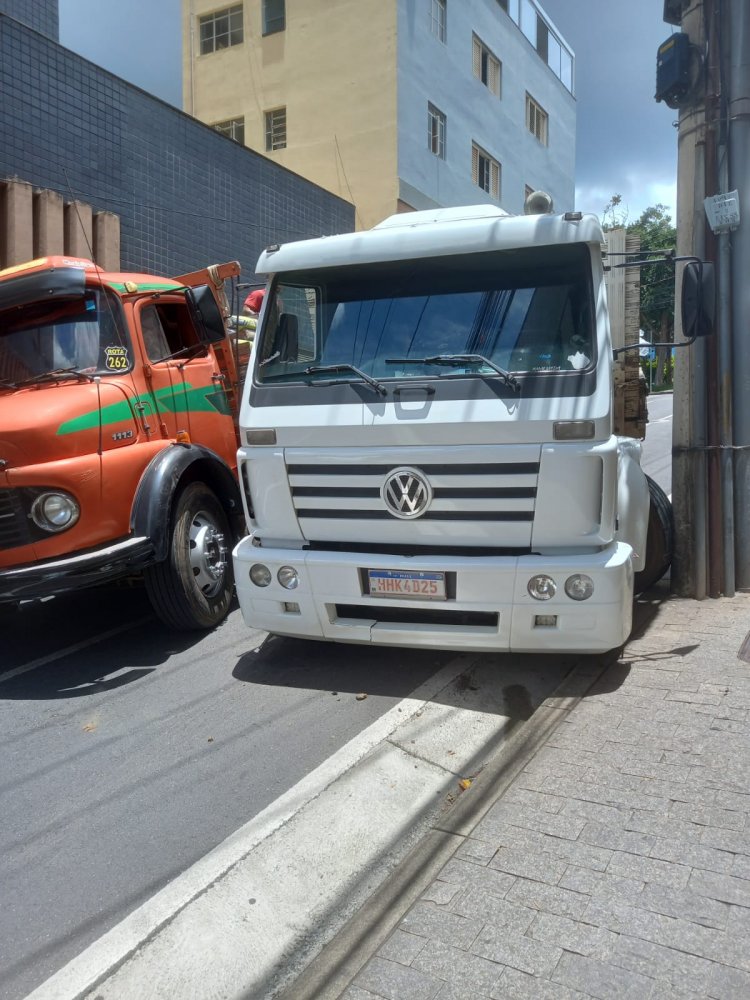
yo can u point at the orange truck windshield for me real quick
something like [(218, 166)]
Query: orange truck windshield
[(86, 335)]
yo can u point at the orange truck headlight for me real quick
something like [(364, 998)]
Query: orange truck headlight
[(53, 512)]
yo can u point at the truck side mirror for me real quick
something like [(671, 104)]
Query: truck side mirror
[(698, 299), (206, 314)]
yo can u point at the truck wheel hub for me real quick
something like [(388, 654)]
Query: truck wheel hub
[(208, 555)]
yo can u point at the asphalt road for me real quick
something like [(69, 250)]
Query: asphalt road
[(129, 752), (657, 448)]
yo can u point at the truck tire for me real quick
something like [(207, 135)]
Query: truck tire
[(192, 588), (659, 538)]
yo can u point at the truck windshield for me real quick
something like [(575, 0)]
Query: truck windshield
[(43, 339), (524, 311)]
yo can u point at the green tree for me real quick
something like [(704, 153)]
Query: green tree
[(657, 280), (656, 232)]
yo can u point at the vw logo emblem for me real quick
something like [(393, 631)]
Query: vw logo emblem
[(406, 493)]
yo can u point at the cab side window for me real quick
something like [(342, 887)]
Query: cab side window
[(154, 337), (167, 330)]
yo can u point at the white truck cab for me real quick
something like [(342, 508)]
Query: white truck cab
[(427, 447)]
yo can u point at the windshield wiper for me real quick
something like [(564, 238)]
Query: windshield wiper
[(378, 386), (53, 376), (457, 359), (189, 352)]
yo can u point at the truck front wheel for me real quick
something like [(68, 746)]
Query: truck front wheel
[(192, 588), (659, 538)]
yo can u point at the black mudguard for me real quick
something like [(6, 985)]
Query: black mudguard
[(163, 478)]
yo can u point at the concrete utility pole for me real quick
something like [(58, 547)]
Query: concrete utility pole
[(711, 442)]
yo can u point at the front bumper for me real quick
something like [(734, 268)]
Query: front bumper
[(489, 607), (59, 576)]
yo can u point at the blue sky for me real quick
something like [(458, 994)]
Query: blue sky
[(626, 143)]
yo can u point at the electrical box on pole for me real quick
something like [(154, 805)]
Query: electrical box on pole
[(673, 60)]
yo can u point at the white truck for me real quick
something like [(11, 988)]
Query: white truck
[(427, 453)]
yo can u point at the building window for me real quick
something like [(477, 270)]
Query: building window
[(436, 131), (221, 29), (542, 38), (276, 129), (528, 20), (233, 128), (439, 19), (486, 67), (537, 120), (485, 171), (274, 16)]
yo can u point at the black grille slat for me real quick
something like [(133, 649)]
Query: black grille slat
[(14, 525), (418, 616), (439, 493), (486, 493), (394, 549), (336, 491), (484, 469), (440, 515)]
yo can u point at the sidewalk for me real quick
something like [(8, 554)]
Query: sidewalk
[(616, 863)]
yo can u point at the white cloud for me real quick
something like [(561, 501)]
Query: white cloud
[(638, 193)]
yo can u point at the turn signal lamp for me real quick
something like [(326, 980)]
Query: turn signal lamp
[(288, 577), (260, 575), (541, 587), (182, 437), (263, 435), (579, 587), (573, 430)]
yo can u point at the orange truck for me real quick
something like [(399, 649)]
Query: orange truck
[(118, 435)]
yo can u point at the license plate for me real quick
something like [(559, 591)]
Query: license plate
[(399, 583)]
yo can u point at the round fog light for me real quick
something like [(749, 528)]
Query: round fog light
[(288, 578), (54, 511), (541, 587), (579, 587), (260, 575)]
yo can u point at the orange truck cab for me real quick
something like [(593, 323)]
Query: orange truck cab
[(118, 435)]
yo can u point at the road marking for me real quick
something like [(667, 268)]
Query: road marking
[(74, 648), (106, 955)]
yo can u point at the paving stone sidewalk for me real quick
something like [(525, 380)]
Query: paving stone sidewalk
[(617, 864)]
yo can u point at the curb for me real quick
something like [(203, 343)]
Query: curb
[(334, 968)]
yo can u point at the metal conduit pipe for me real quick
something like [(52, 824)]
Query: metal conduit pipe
[(738, 30)]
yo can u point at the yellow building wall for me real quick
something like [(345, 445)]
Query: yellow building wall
[(333, 68)]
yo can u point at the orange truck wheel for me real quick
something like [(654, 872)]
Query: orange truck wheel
[(192, 588)]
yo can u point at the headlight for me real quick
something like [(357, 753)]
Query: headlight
[(55, 511), (541, 587), (288, 577), (260, 575), (579, 587)]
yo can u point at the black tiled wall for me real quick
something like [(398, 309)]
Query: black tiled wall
[(186, 196)]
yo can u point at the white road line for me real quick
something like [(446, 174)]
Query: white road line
[(67, 650), (100, 960)]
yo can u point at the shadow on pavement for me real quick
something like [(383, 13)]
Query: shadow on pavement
[(64, 631), (505, 684)]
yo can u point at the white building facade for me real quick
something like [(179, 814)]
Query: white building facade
[(486, 105)]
